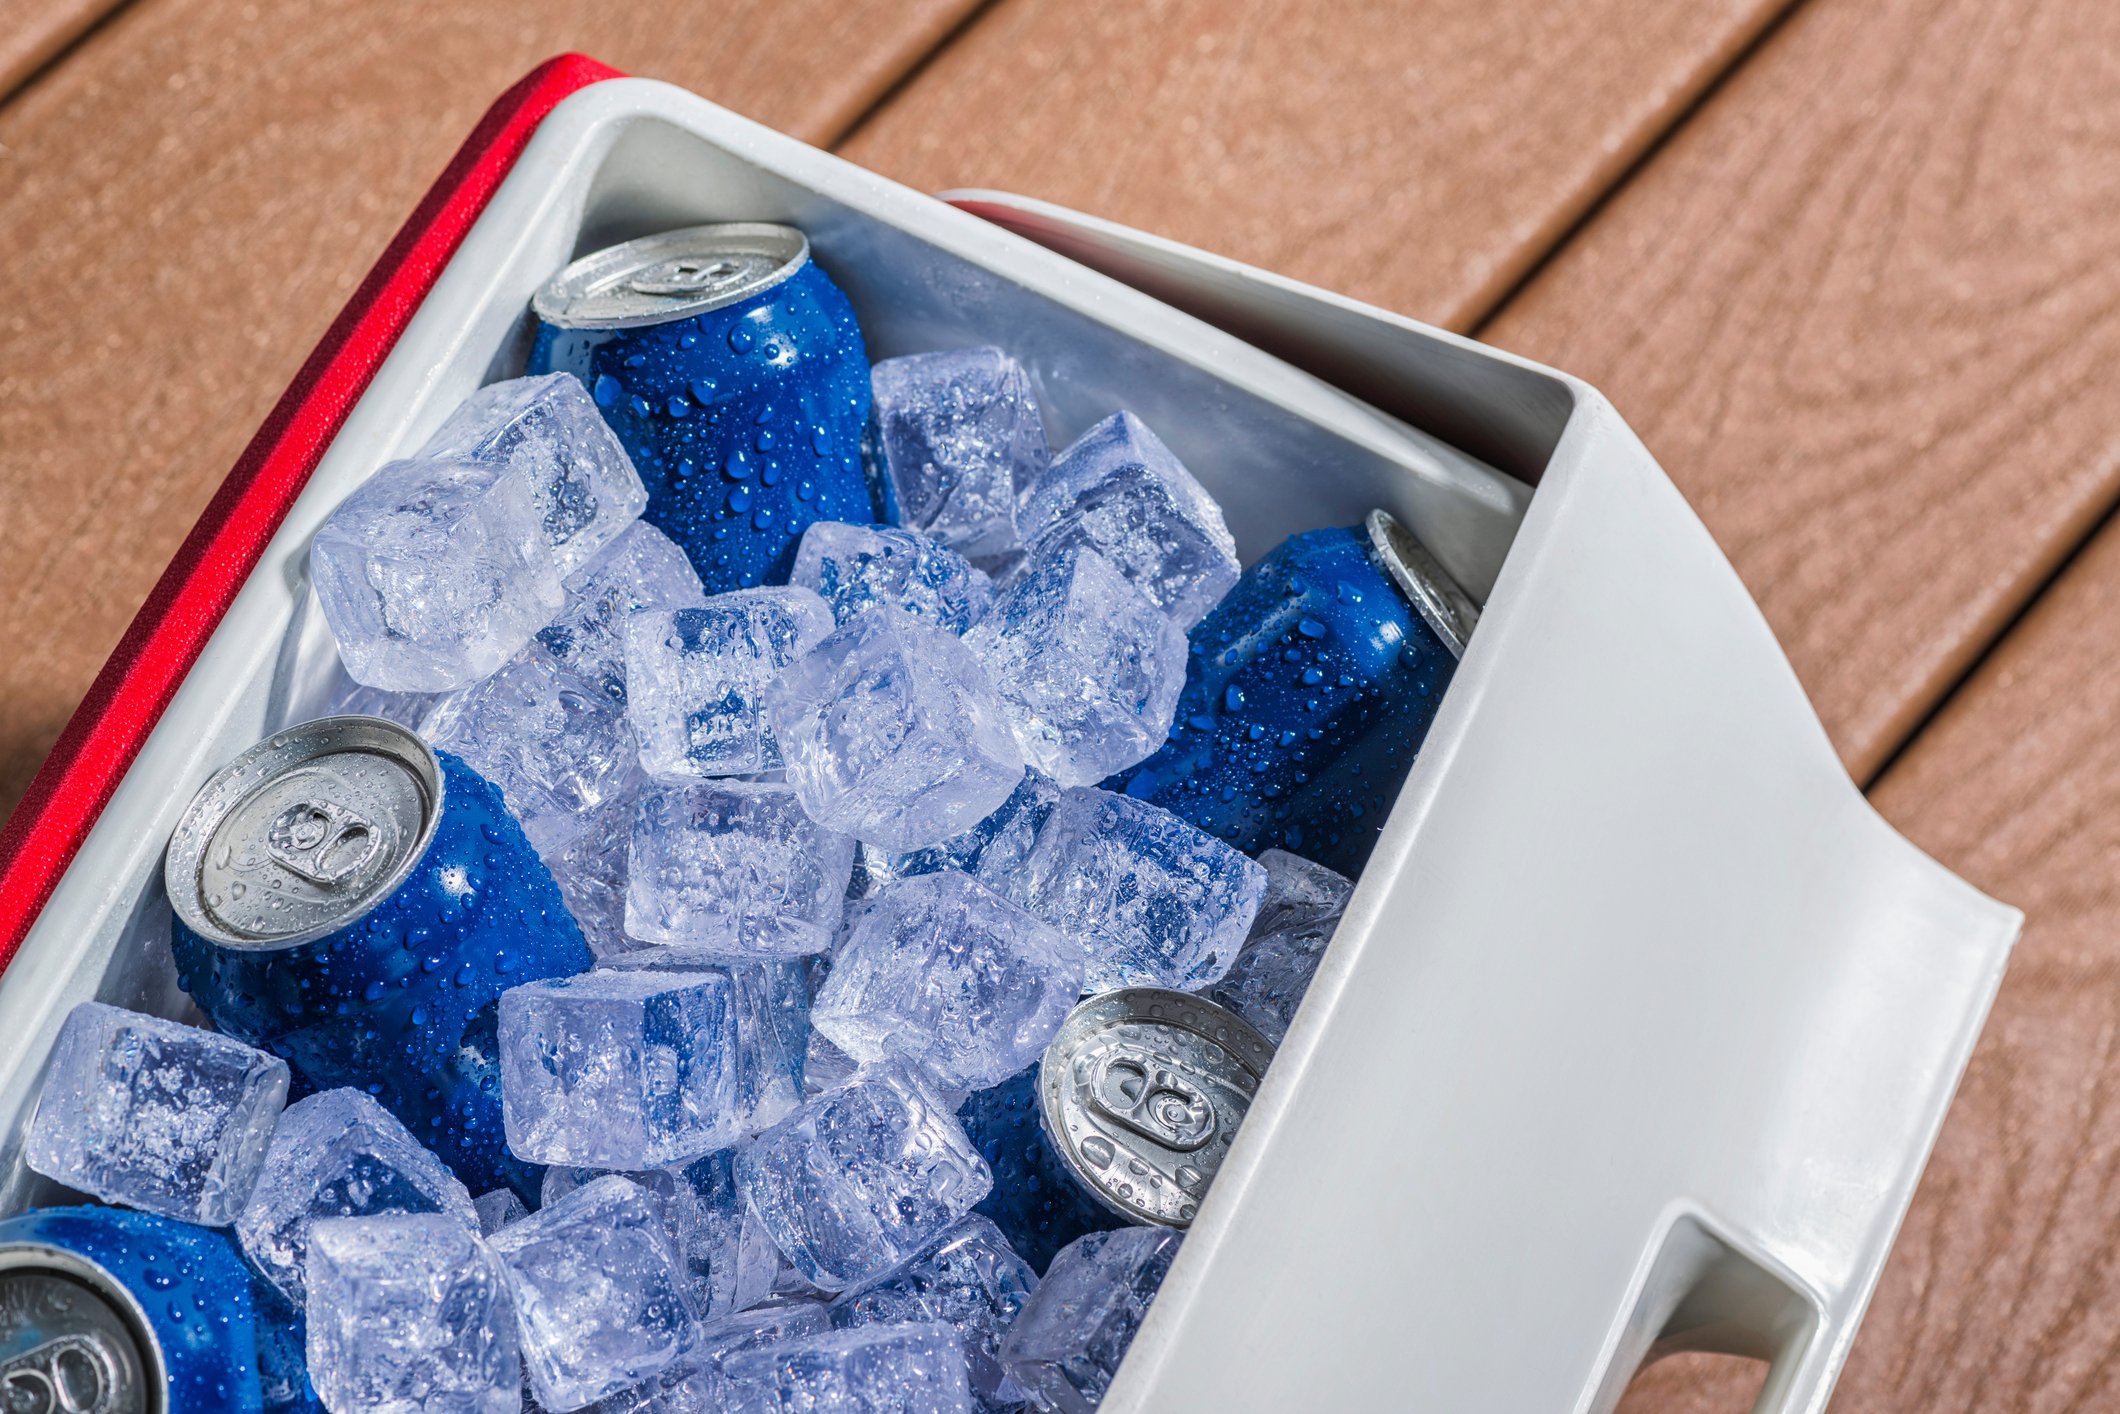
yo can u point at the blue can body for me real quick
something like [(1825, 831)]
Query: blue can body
[(229, 1343), (1039, 1205), (745, 422), (403, 1001), (1308, 692)]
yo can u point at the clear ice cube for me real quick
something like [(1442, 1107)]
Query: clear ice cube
[(734, 868), (1119, 489), (433, 574), (557, 747), (642, 569), (407, 709), (409, 1314), (954, 438), (591, 874), (970, 1279), (1156, 902), (619, 1070), (338, 1154), (695, 1384), (1089, 666), (989, 851), (896, 1369), (1066, 1344), (893, 734), (1295, 925), (857, 567), (154, 1114), (547, 431), (943, 973), (698, 678), (855, 1181), (771, 1035), (600, 1293), (497, 1209)]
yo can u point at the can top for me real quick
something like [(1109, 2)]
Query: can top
[(672, 275), (304, 832), (1435, 596), (1141, 1092), (73, 1338)]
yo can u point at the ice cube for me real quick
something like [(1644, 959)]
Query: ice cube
[(945, 974), (591, 874), (1295, 925), (1067, 1343), (734, 868), (771, 1035), (728, 1260), (1119, 489), (558, 748), (154, 1114), (497, 1209), (968, 1278), (858, 1179), (600, 1293), (1090, 668), (642, 569), (433, 574), (409, 1314), (407, 709), (547, 431), (698, 678), (989, 851), (856, 567), (825, 1067), (954, 438), (619, 1069), (338, 1154), (1155, 902), (907, 1369), (893, 734), (694, 1384)]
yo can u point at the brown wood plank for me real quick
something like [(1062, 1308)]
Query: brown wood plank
[(32, 31), (1420, 157), (193, 192), (1862, 308)]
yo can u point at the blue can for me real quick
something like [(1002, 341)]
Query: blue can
[(1037, 1200), (355, 902), (733, 370), (99, 1306), (1308, 692)]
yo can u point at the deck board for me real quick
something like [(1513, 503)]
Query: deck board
[(196, 188), (1861, 307), (1422, 158)]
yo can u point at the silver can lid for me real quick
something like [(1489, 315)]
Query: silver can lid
[(1141, 1092), (1435, 596), (73, 1339), (304, 832), (673, 275)]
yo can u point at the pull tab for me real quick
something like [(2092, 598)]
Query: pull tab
[(1150, 1097), (683, 276), (322, 841), (74, 1374)]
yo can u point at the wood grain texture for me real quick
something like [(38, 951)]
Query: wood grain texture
[(1419, 157), (1862, 309), (194, 191), (32, 31)]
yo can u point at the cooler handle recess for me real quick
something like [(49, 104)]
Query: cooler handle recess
[(1766, 994)]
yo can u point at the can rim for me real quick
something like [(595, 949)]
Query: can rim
[(1242, 1041), (553, 302), (1435, 596), (45, 1256), (234, 782)]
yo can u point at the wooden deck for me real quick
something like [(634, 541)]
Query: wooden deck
[(1850, 267)]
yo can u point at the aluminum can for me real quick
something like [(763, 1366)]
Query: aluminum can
[(1141, 1092), (109, 1311), (733, 370), (355, 902), (1308, 692)]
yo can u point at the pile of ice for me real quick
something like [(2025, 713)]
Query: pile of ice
[(838, 848)]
